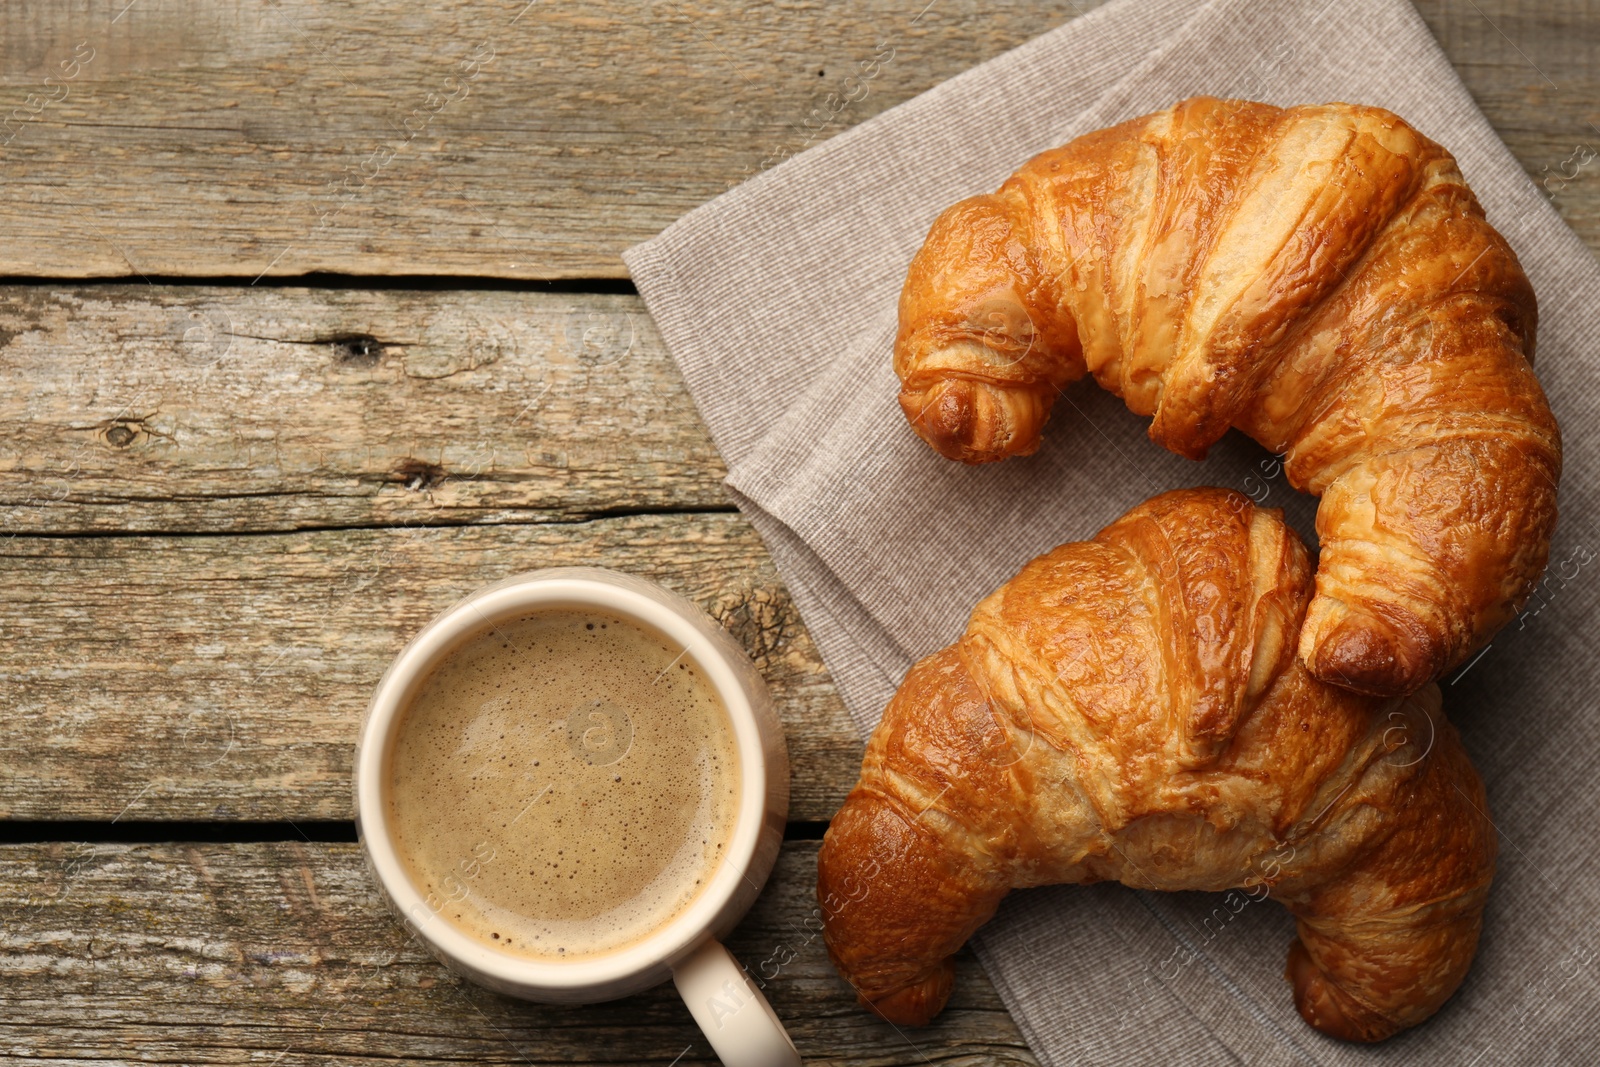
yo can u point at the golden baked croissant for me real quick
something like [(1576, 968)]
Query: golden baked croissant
[(1131, 708), (1319, 277)]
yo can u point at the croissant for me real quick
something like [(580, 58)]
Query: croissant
[(1131, 708), (1320, 278)]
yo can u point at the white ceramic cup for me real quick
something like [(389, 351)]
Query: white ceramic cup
[(741, 1026)]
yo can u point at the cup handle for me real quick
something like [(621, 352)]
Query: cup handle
[(743, 1029)]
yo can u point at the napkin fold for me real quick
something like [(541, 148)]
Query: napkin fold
[(778, 301)]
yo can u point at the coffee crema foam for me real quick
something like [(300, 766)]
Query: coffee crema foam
[(563, 785)]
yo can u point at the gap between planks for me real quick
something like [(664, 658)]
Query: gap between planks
[(331, 280), (235, 832), (580, 519)]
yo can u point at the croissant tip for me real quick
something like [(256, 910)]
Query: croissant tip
[(1327, 1008), (963, 420), (1372, 656), (915, 1004), (945, 415)]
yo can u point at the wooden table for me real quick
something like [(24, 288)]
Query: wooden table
[(314, 321)]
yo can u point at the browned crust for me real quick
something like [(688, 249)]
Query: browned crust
[(1131, 708), (1320, 278)]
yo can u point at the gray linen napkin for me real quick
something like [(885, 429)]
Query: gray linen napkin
[(778, 301)]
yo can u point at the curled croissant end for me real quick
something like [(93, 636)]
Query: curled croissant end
[(1369, 653), (974, 421), (1329, 1008), (915, 1004)]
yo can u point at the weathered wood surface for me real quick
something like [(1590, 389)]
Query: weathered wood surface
[(297, 466), (165, 409), (282, 953), (224, 677), (227, 138)]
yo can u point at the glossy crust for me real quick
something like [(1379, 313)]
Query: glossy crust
[(1130, 708), (1319, 277)]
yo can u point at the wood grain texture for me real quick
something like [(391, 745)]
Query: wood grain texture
[(231, 409), (225, 138), (283, 953), (1533, 67), (224, 677)]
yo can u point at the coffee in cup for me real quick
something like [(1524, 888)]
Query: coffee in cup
[(563, 784), (573, 814)]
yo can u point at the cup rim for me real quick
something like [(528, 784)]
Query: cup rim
[(652, 605)]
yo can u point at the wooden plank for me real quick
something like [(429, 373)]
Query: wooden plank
[(282, 953), (230, 138), (214, 409), (224, 677), (1533, 66), (222, 138)]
